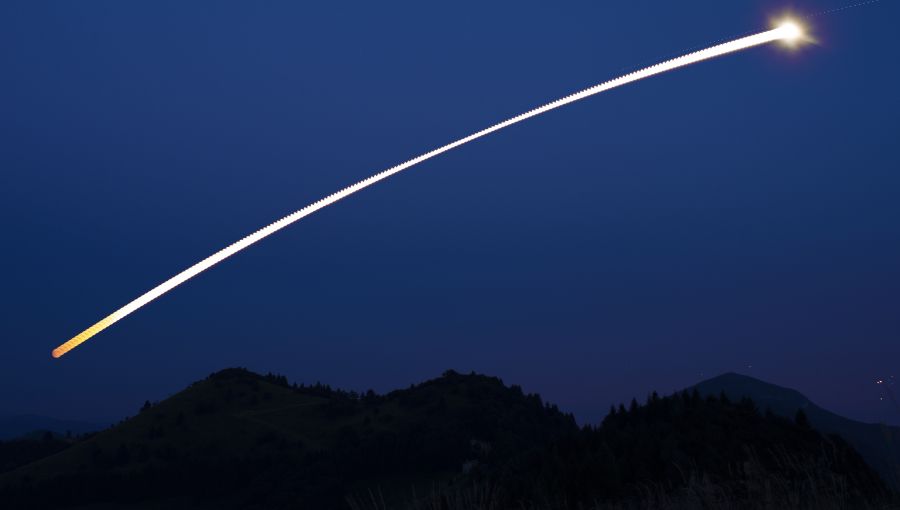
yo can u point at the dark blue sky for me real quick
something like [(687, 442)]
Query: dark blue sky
[(739, 212)]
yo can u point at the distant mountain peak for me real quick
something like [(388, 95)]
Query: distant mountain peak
[(737, 385), (741, 378), (878, 444)]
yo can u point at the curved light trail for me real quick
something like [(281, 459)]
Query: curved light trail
[(786, 32)]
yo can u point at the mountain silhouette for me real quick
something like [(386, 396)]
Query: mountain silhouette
[(237, 439), (878, 444)]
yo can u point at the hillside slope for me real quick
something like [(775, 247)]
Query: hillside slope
[(878, 444)]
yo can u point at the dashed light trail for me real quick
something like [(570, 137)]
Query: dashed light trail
[(786, 32)]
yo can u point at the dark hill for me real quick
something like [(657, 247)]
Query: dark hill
[(878, 444), (240, 440)]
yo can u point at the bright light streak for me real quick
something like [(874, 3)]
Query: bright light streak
[(783, 32)]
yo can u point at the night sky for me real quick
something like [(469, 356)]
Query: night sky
[(738, 215)]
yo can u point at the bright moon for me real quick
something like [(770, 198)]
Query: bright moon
[(791, 31)]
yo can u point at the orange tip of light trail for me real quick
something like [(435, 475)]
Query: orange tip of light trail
[(787, 31)]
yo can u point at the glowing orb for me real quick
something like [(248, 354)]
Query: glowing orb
[(790, 31)]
